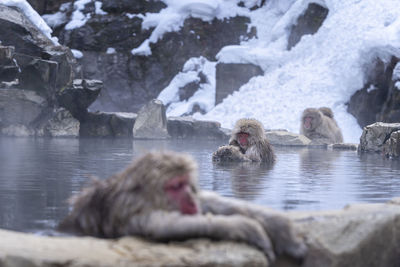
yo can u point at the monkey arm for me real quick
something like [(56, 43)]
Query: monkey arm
[(278, 227), (229, 153), (166, 226)]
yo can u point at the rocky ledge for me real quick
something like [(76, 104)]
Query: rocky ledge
[(358, 235)]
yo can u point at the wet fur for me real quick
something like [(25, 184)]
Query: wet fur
[(133, 202), (259, 149)]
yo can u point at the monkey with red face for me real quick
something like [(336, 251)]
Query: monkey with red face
[(157, 197), (247, 143), (320, 126)]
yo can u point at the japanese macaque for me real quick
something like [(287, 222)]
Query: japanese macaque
[(157, 197), (247, 143), (320, 126)]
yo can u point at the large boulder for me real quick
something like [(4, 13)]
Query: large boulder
[(151, 122), (391, 148), (79, 96), (107, 124), (230, 77), (379, 99), (375, 136), (25, 113), (189, 128), (358, 235)]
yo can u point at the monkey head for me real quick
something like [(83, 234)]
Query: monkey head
[(160, 180), (311, 118), (246, 132)]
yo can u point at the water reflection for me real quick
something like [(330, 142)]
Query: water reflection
[(38, 175)]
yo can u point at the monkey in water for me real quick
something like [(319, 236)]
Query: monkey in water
[(247, 143), (157, 197), (320, 126)]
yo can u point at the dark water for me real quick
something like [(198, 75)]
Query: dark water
[(38, 175)]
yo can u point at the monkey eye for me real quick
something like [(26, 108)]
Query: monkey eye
[(176, 186)]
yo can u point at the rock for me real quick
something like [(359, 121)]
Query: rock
[(230, 77), (46, 6), (378, 99), (131, 80), (136, 7), (78, 97), (21, 249), (18, 31), (343, 146), (107, 124), (20, 107), (38, 75), (391, 148), (308, 23), (375, 135), (187, 128), (284, 138), (151, 122), (8, 67), (358, 235), (59, 123), (353, 236)]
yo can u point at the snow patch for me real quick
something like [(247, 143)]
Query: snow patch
[(78, 19), (77, 54), (204, 97), (110, 50), (98, 9)]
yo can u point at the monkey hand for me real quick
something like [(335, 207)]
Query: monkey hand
[(229, 153)]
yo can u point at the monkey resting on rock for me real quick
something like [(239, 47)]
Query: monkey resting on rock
[(157, 197), (247, 143)]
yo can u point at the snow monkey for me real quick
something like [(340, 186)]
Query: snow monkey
[(157, 197), (247, 143), (319, 125)]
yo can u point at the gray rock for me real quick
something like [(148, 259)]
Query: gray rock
[(20, 107), (78, 97), (359, 235), (343, 146), (8, 67), (230, 77), (151, 122), (285, 138), (59, 123), (378, 99), (188, 127), (375, 135), (308, 23), (391, 148), (107, 124)]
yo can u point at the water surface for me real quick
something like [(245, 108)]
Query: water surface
[(38, 175)]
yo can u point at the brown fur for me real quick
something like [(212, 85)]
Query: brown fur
[(258, 150), (133, 202), (324, 128)]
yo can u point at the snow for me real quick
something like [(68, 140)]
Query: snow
[(78, 17), (110, 50), (33, 16), (396, 72), (98, 10), (323, 69), (204, 97), (77, 54)]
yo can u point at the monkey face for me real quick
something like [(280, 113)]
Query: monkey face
[(307, 121), (243, 139), (181, 194)]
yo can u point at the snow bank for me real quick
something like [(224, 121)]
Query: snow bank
[(323, 69)]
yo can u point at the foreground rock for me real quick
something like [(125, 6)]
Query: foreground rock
[(359, 235), (375, 137)]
